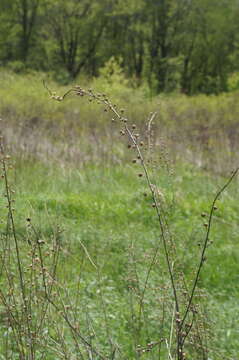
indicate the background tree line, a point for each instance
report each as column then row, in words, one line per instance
column 185, row 45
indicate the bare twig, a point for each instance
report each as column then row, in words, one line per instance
column 202, row 257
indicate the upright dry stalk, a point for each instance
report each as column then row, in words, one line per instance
column 181, row 312
column 25, row 306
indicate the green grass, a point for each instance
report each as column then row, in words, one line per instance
column 104, row 208
column 73, row 179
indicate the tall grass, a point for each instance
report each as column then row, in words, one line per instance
column 202, row 129
column 146, row 301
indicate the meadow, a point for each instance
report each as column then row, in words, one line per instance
column 83, row 269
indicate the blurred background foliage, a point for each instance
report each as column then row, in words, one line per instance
column 187, row 46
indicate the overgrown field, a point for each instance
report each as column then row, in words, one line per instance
column 202, row 129
column 82, row 229
column 106, row 212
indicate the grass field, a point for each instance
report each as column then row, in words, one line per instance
column 105, row 210
column 202, row 130
column 80, row 204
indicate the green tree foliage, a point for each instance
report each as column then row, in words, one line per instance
column 184, row 45
column 19, row 19
column 75, row 29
